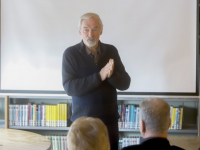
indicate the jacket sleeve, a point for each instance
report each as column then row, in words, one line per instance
column 120, row 78
column 73, row 85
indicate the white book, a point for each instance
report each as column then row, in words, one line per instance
column 21, row 115
column 10, row 115
column 61, row 142
column 26, row 115
column 138, row 140
column 16, row 115
column 56, row 142
column 65, row 142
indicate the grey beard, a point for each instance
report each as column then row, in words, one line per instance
column 89, row 43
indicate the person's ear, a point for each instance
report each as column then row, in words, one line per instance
column 143, row 126
column 169, row 122
column 101, row 31
column 80, row 32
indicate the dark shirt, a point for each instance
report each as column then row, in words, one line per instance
column 94, row 56
column 91, row 96
column 154, row 143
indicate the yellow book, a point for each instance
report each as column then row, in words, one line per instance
column 181, row 118
column 47, row 117
column 34, row 114
column 65, row 115
column 60, row 115
column 56, row 116
column 53, row 116
column 50, row 115
column 173, row 119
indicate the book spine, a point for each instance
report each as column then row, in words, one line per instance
column 134, row 118
column 59, row 142
column 16, row 114
column 54, row 115
column 27, row 113
column 181, row 118
column 21, row 115
column 13, row 115
column 58, row 106
column 173, row 118
column 24, row 115
column 124, row 115
column 47, row 115
column 50, row 116
column 138, row 112
column 119, row 112
column 178, row 118
column 65, row 115
column 34, row 115
column 65, row 143
column 10, row 115
column 44, row 115
column 171, row 112
column 62, row 143
column 129, row 116
column 39, row 115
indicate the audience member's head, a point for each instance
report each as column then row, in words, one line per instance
column 154, row 117
column 88, row 134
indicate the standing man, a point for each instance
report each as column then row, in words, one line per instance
column 91, row 73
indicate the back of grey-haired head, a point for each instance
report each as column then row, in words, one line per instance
column 155, row 112
column 88, row 16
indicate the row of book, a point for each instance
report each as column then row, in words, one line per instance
column 39, row 115
column 126, row 141
column 129, row 117
column 176, row 115
column 60, row 142
column 57, row 142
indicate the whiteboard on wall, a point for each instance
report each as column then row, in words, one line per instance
column 156, row 40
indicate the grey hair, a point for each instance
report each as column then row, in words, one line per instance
column 88, row 16
column 155, row 112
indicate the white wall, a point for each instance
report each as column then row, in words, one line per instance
column 156, row 40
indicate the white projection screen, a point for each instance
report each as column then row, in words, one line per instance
column 156, row 40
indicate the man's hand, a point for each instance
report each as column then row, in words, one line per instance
column 111, row 68
column 107, row 71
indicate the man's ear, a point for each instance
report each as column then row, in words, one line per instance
column 80, row 32
column 170, row 122
column 143, row 126
column 101, row 31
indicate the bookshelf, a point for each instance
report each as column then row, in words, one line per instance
column 190, row 124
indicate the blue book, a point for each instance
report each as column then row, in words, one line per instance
column 132, row 116
column 119, row 120
column 124, row 114
column 39, row 115
column 129, row 115
column 31, row 115
column 126, row 117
